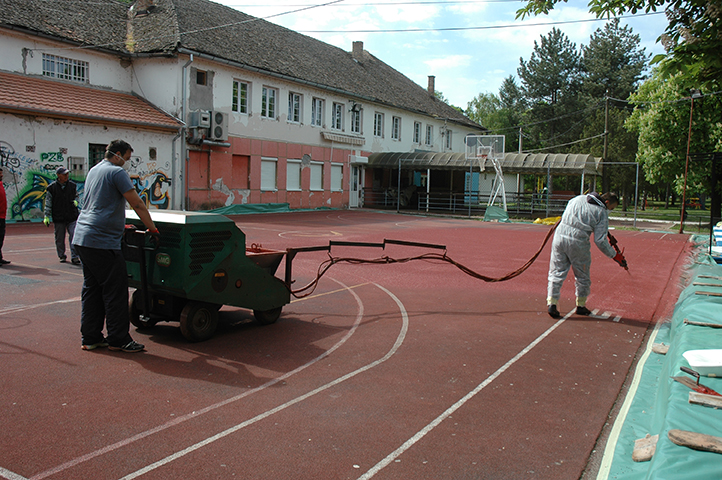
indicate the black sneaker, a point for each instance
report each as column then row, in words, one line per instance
column 130, row 347
column 93, row 346
column 4, row 262
column 553, row 312
column 63, row 259
column 583, row 311
column 75, row 261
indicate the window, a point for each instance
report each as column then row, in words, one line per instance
column 448, row 139
column 396, row 128
column 429, row 135
column 268, row 174
column 355, row 121
column 317, row 176
column 201, row 77
column 294, row 107
column 96, row 152
column 336, row 177
column 317, row 112
column 240, row 96
column 337, row 121
column 417, row 132
column 268, row 102
column 293, row 175
column 378, row 124
column 65, row 68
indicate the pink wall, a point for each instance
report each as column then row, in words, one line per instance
column 237, row 169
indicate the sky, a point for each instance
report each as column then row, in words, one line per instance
column 464, row 62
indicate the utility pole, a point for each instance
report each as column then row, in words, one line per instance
column 695, row 94
column 605, row 173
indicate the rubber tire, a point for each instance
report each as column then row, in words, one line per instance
column 134, row 312
column 198, row 321
column 267, row 317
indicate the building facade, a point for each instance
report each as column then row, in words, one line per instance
column 221, row 108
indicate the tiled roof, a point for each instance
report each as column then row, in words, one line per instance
column 24, row 94
column 210, row 28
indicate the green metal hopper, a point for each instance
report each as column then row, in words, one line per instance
column 200, row 263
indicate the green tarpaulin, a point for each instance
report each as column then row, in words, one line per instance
column 657, row 404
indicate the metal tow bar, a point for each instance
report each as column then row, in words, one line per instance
column 291, row 252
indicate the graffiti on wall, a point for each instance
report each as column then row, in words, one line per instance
column 27, row 178
column 154, row 189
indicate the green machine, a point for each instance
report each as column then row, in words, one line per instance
column 200, row 263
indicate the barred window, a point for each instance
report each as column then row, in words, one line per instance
column 65, row 68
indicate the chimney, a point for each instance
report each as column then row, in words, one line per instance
column 432, row 86
column 358, row 51
column 141, row 8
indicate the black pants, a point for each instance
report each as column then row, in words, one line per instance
column 60, row 229
column 104, row 296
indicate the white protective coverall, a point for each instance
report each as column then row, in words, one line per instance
column 584, row 215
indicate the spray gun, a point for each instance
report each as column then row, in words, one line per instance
column 619, row 257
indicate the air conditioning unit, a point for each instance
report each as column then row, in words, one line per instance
column 199, row 119
column 219, row 126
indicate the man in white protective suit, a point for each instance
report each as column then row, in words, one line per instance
column 584, row 216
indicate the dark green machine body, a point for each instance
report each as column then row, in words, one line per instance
column 201, row 260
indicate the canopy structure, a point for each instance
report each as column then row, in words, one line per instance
column 518, row 163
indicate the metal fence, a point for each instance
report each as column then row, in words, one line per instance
column 468, row 203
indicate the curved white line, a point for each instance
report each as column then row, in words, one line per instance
column 421, row 433
column 399, row 340
column 183, row 418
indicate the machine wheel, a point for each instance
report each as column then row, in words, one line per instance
column 267, row 317
column 198, row 321
column 135, row 312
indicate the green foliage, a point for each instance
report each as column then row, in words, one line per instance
column 500, row 114
column 613, row 62
column 551, row 82
column 692, row 39
column 662, row 120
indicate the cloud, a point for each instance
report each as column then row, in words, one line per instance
column 448, row 62
column 466, row 62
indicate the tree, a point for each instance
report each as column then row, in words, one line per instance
column 613, row 62
column 501, row 114
column 551, row 82
column 613, row 66
column 692, row 39
column 662, row 119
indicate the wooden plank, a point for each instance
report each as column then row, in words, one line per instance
column 644, row 448
column 696, row 441
column 711, row 294
column 713, row 277
column 686, row 381
column 697, row 398
column 703, row 324
column 700, row 284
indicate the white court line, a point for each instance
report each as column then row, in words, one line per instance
column 421, row 433
column 183, row 418
column 22, row 308
column 608, row 456
column 10, row 475
column 399, row 340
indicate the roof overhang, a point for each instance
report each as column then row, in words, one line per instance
column 523, row 163
column 37, row 96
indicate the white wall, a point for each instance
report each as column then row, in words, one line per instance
column 104, row 70
column 42, row 145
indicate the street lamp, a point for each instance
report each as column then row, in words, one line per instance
column 694, row 94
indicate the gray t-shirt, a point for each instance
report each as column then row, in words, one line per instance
column 102, row 218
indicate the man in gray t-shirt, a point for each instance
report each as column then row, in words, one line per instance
column 97, row 238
